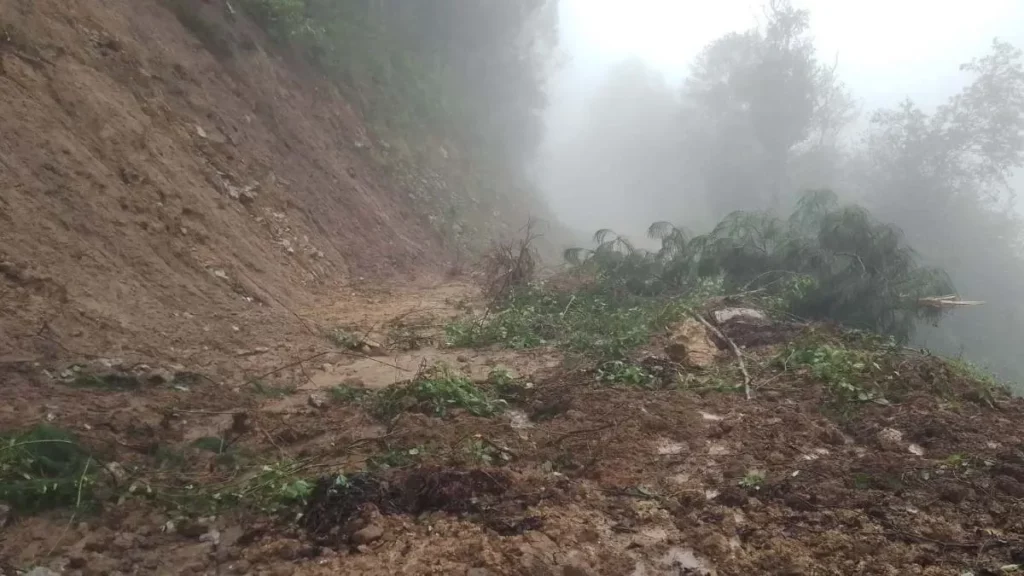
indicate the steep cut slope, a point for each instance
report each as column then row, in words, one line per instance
column 158, row 163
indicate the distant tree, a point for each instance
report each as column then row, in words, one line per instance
column 753, row 101
column 944, row 178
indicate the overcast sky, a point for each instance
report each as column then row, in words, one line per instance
column 887, row 49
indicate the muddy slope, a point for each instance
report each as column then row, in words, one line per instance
column 572, row 476
column 159, row 162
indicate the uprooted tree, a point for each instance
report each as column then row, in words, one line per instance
column 826, row 261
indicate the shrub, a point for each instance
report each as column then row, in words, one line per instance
column 44, row 468
column 824, row 261
column 435, row 391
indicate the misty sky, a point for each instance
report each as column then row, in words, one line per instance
column 888, row 50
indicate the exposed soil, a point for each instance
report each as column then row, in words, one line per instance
column 185, row 219
column 171, row 187
column 575, row 478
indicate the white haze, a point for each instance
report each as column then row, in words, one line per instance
column 887, row 50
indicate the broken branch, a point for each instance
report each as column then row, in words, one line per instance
column 735, row 350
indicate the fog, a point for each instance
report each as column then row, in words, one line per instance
column 887, row 50
column 686, row 111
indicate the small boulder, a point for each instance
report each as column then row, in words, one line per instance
column 890, row 440
column 690, row 345
column 744, row 315
column 366, row 535
column 316, row 400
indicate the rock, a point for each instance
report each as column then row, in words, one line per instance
column 479, row 572
column 372, row 348
column 715, row 545
column 573, row 414
column 41, row 571
column 125, row 541
column 955, row 493
column 745, row 315
column 690, row 345
column 683, row 561
column 213, row 537
column 317, row 400
column 890, row 439
column 5, row 515
column 231, row 535
column 116, row 472
column 160, row 376
column 833, row 436
column 370, row 533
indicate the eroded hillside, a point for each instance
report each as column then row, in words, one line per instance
column 158, row 165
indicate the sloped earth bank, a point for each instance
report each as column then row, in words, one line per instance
column 170, row 184
column 574, row 478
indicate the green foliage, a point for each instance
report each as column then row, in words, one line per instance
column 345, row 393
column 855, row 371
column 467, row 76
column 215, row 444
column 506, row 386
column 484, row 453
column 842, row 369
column 283, row 19
column 752, row 480
column 44, row 468
column 825, row 261
column 986, row 386
column 602, row 324
column 436, row 391
column 396, row 458
column 617, row 372
column 274, row 487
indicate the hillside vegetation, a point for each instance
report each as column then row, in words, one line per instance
column 761, row 117
column 459, row 81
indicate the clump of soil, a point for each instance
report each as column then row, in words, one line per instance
column 484, row 494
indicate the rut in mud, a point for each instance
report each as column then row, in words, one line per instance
column 522, row 462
